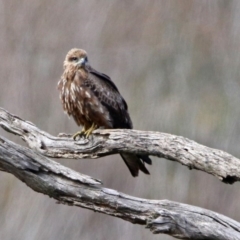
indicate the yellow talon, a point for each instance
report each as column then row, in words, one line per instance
column 90, row 130
column 80, row 133
column 85, row 132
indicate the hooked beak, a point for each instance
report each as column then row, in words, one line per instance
column 82, row 62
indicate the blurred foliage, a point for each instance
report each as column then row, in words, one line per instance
column 177, row 65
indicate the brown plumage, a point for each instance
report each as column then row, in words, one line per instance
column 93, row 100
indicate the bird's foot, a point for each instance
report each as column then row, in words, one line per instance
column 85, row 133
column 80, row 134
column 90, row 130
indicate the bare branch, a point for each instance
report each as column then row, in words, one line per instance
column 69, row 187
column 105, row 142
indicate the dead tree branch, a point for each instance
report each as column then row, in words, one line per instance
column 105, row 142
column 69, row 187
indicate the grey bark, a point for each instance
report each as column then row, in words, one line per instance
column 105, row 142
column 69, row 187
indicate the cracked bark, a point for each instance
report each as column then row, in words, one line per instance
column 31, row 165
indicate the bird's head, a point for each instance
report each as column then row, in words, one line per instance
column 76, row 58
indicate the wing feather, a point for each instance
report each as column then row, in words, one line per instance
column 108, row 95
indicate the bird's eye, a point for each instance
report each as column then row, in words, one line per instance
column 73, row 59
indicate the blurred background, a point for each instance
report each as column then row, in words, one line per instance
column 177, row 65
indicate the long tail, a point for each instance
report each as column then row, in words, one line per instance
column 136, row 163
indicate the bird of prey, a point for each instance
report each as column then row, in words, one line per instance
column 94, row 101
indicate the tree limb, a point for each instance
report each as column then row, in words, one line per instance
column 105, row 142
column 69, row 187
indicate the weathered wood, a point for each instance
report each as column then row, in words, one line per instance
column 105, row 142
column 69, row 187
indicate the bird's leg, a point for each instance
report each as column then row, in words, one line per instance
column 80, row 133
column 90, row 130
